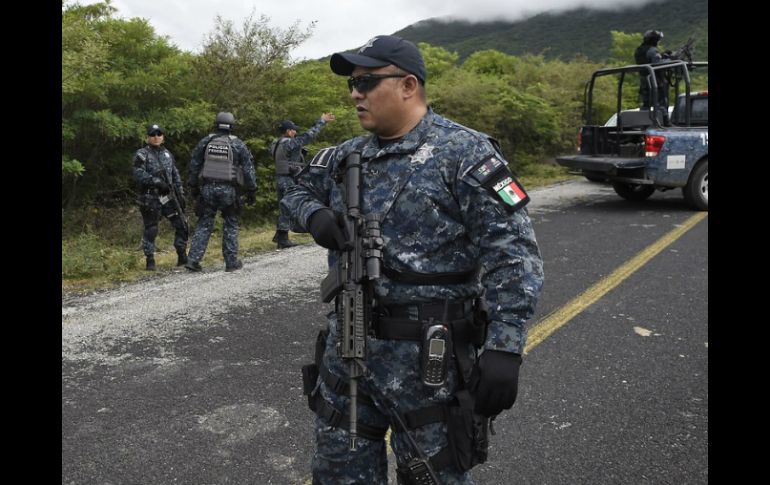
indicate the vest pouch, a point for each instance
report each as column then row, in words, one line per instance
column 467, row 435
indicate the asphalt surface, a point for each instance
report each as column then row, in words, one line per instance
column 194, row 378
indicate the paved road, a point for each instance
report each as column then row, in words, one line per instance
column 194, row 378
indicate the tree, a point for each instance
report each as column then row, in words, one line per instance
column 240, row 70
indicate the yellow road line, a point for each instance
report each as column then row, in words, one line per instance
column 561, row 316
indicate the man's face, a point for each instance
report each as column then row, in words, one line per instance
column 156, row 139
column 381, row 109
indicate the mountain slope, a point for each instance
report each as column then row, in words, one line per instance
column 569, row 33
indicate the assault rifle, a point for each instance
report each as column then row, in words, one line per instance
column 352, row 279
column 683, row 53
column 174, row 194
column 357, row 267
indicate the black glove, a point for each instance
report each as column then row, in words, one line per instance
column 495, row 381
column 251, row 198
column 326, row 228
column 195, row 191
column 163, row 187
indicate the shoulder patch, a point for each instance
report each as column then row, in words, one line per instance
column 141, row 155
column 487, row 169
column 322, row 158
column 510, row 191
column 493, row 174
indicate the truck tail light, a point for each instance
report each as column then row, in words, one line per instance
column 653, row 144
column 579, row 139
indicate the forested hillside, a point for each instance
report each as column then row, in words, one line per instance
column 119, row 75
column 570, row 33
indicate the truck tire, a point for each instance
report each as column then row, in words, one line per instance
column 696, row 192
column 635, row 192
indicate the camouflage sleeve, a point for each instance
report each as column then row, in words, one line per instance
column 294, row 145
column 196, row 163
column 141, row 175
column 249, row 172
column 499, row 225
column 310, row 193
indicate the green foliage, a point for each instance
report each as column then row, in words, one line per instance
column 242, row 70
column 437, row 60
column 623, row 47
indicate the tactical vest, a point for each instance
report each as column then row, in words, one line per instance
column 282, row 163
column 218, row 163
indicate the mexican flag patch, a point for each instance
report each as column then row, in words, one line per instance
column 511, row 192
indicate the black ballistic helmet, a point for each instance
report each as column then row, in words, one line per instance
column 224, row 121
column 652, row 37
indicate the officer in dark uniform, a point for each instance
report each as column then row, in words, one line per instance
column 160, row 189
column 289, row 154
column 648, row 53
column 457, row 239
column 221, row 168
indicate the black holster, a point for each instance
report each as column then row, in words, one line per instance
column 310, row 372
column 467, row 434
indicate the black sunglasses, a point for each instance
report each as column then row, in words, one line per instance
column 156, row 133
column 366, row 82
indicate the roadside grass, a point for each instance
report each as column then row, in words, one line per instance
column 101, row 247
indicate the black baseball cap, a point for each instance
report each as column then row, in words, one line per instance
column 152, row 129
column 287, row 125
column 381, row 51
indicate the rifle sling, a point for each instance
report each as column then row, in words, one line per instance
column 339, row 419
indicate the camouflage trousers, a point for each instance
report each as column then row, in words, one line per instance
column 394, row 375
column 152, row 210
column 283, row 183
column 222, row 198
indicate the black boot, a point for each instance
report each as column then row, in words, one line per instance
column 280, row 236
column 282, row 239
column 150, row 263
column 235, row 266
column 193, row 266
column 286, row 244
column 181, row 258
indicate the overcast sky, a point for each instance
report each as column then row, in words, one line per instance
column 340, row 24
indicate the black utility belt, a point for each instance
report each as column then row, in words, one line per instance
column 397, row 322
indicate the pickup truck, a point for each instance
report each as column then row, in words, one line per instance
column 641, row 152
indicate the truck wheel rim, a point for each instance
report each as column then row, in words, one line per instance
column 704, row 187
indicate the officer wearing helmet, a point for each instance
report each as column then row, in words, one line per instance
column 648, row 53
column 221, row 168
column 156, row 175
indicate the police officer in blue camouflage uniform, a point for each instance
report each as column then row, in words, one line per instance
column 156, row 175
column 459, row 248
column 648, row 53
column 289, row 154
column 221, row 168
